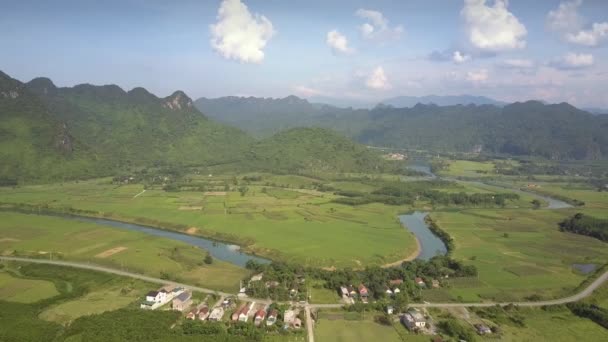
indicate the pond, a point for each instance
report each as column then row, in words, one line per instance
column 585, row 268
column 430, row 244
column 219, row 250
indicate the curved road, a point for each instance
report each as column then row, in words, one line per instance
column 309, row 323
column 97, row 268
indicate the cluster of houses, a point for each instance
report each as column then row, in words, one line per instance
column 350, row 293
column 293, row 292
column 180, row 298
column 259, row 314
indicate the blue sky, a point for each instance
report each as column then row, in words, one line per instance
column 360, row 50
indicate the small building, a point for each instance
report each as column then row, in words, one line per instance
column 244, row 313
column 182, row 302
column 272, row 317
column 235, row 314
column 297, row 323
column 192, row 314
column 203, row 313
column 419, row 320
column 156, row 296
column 388, row 291
column 396, row 290
column 483, row 329
column 435, row 284
column 216, row 314
column 419, row 282
column 344, row 291
column 289, row 316
column 352, row 292
column 259, row 317
column 390, row 310
column 272, row 284
column 257, row 277
column 395, row 282
column 412, row 323
column 363, row 291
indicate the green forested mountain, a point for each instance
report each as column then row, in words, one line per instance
column 556, row 131
column 52, row 133
column 312, row 150
column 48, row 132
column 263, row 117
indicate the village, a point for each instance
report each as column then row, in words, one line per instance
column 290, row 315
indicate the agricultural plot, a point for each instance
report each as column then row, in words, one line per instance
column 282, row 223
column 518, row 253
column 56, row 237
column 469, row 169
column 341, row 330
column 21, row 290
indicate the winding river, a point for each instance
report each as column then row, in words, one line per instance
column 430, row 244
column 219, row 250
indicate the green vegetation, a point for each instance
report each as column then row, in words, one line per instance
column 56, row 237
column 15, row 289
column 336, row 329
column 556, row 131
column 518, row 253
column 586, row 225
column 303, row 228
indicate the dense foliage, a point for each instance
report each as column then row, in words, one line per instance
column 586, row 225
column 595, row 313
column 557, row 131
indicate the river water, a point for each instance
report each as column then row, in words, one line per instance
column 430, row 244
column 219, row 250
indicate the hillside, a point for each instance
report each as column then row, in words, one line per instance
column 311, row 150
column 97, row 130
column 33, row 143
column 452, row 100
column 556, row 131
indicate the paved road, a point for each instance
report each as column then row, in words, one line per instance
column 131, row 275
column 574, row 298
column 309, row 322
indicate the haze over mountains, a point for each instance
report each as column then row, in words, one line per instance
column 556, row 131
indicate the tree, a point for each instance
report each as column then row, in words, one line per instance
column 535, row 204
column 208, row 259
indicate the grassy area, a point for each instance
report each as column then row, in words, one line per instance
column 469, row 169
column 288, row 224
column 517, row 253
column 98, row 301
column 340, row 330
column 44, row 236
column 558, row 325
column 21, row 290
column 319, row 294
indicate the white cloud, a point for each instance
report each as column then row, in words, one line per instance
column 307, row 91
column 338, row 42
column 240, row 35
column 518, row 63
column 573, row 61
column 377, row 26
column 493, row 28
column 459, row 57
column 477, row 76
column 566, row 21
column 377, row 79
column 592, row 37
column 565, row 17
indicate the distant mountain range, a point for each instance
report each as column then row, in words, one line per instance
column 49, row 133
column 410, row 101
column 556, row 131
column 596, row 111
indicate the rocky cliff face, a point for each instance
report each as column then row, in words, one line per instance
column 178, row 101
column 63, row 141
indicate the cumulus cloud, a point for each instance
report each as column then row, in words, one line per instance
column 517, row 64
column 377, row 79
column 459, row 57
column 377, row 26
column 338, row 42
column 597, row 34
column 493, row 28
column 573, row 61
column 566, row 21
column 240, row 35
column 477, row 76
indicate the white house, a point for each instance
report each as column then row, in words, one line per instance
column 156, row 296
column 216, row 314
